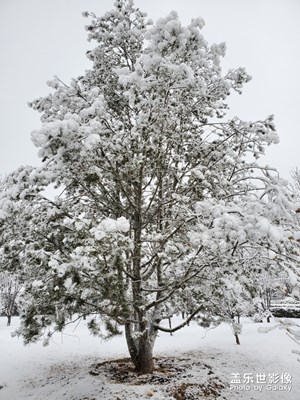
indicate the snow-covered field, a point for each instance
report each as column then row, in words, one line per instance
column 191, row 364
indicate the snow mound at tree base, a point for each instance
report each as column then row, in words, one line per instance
column 172, row 375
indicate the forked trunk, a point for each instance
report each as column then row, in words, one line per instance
column 141, row 350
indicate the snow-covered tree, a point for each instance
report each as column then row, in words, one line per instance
column 9, row 290
column 292, row 284
column 156, row 192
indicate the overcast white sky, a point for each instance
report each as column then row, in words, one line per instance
column 39, row 39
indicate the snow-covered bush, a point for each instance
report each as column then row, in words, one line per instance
column 291, row 328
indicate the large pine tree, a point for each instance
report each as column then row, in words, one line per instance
column 158, row 195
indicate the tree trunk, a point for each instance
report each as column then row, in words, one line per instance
column 236, row 328
column 8, row 319
column 141, row 350
column 237, row 340
column 170, row 325
column 144, row 360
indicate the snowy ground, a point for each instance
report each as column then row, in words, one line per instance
column 191, row 364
